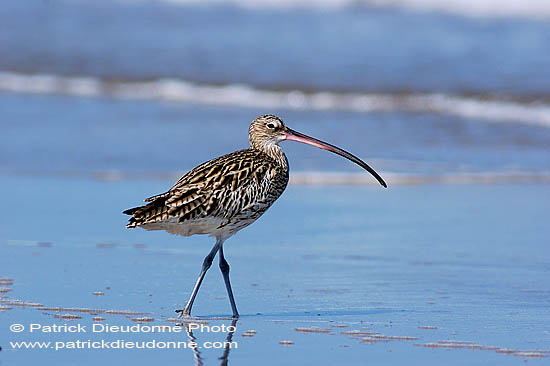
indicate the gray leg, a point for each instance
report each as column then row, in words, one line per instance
column 205, row 266
column 224, row 267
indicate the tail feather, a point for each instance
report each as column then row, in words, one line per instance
column 131, row 211
column 156, row 197
column 144, row 214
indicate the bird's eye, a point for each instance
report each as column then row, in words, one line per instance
column 270, row 126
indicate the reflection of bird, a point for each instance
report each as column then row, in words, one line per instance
column 226, row 194
column 227, row 345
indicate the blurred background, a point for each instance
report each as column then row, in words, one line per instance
column 106, row 102
column 454, row 89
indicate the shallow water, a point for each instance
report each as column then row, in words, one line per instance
column 58, row 135
column 107, row 102
column 422, row 264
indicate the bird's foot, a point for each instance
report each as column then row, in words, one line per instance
column 183, row 313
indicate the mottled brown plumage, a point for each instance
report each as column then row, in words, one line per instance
column 230, row 192
column 226, row 194
column 223, row 195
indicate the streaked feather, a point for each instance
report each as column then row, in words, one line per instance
column 218, row 197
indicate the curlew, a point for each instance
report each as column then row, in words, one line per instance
column 226, row 194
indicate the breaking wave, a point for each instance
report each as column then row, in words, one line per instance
column 174, row 90
column 333, row 178
column 531, row 9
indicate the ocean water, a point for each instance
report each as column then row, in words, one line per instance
column 104, row 103
column 156, row 87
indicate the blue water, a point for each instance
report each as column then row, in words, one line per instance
column 349, row 48
column 105, row 103
column 363, row 49
column 67, row 135
column 470, row 261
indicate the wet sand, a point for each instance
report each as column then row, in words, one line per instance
column 418, row 275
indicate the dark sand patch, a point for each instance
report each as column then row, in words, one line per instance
column 67, row 316
column 312, row 330
column 249, row 333
column 428, row 327
column 456, row 344
column 143, row 319
column 286, row 343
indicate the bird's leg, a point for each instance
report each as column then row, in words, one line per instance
column 205, row 266
column 224, row 267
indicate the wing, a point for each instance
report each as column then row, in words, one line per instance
column 219, row 188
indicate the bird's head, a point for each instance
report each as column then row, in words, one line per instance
column 267, row 131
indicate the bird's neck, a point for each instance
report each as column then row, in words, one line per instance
column 276, row 153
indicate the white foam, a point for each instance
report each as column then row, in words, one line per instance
column 535, row 9
column 173, row 90
column 339, row 178
column 362, row 178
column 330, row 178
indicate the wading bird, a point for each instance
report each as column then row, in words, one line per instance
column 226, row 194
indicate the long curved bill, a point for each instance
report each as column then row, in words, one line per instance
column 292, row 135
